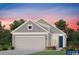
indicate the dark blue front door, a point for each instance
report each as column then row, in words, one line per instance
column 60, row 41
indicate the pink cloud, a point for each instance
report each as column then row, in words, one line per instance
column 50, row 18
column 72, row 23
column 6, row 22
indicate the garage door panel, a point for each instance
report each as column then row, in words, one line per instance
column 29, row 42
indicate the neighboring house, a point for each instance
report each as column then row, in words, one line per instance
column 38, row 35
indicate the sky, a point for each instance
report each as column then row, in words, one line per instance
column 51, row 12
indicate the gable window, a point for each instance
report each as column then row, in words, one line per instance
column 30, row 27
column 60, row 41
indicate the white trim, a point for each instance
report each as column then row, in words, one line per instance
column 30, row 33
column 13, row 41
column 30, row 36
column 51, row 25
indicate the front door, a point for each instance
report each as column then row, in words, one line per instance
column 60, row 41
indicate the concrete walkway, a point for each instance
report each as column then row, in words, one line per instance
column 18, row 52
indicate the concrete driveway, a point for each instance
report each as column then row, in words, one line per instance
column 18, row 52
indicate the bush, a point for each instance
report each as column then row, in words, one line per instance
column 0, row 48
column 12, row 48
column 70, row 47
column 54, row 48
column 64, row 49
column 51, row 48
column 4, row 47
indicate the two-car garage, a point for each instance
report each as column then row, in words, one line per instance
column 29, row 42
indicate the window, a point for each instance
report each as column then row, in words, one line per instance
column 30, row 27
column 61, row 41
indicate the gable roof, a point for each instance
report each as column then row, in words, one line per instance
column 46, row 25
column 23, row 27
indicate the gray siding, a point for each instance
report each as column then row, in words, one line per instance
column 52, row 28
column 36, row 28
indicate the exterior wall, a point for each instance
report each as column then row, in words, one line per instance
column 55, row 40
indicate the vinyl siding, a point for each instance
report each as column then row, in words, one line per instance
column 36, row 28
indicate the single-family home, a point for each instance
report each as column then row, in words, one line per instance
column 38, row 35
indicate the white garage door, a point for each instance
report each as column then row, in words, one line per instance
column 29, row 42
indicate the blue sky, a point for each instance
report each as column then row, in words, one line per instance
column 50, row 11
column 71, row 10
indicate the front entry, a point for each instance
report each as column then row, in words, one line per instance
column 60, row 41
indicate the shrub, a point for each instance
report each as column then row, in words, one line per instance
column 51, row 48
column 48, row 48
column 0, row 48
column 70, row 47
column 4, row 47
column 12, row 48
column 64, row 49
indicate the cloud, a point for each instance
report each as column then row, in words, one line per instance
column 25, row 12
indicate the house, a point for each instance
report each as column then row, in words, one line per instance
column 38, row 35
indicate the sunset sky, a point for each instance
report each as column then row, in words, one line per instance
column 50, row 11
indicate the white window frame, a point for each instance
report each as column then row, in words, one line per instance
column 31, row 27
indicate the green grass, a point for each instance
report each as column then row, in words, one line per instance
column 49, row 52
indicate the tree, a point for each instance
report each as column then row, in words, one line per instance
column 16, row 23
column 61, row 24
column 69, row 33
column 76, row 37
column 5, row 37
column 78, row 25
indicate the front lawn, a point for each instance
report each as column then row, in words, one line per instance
column 49, row 52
